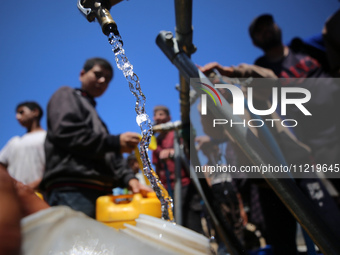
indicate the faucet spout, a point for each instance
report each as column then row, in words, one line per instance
column 99, row 9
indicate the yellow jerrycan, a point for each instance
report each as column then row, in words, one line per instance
column 114, row 211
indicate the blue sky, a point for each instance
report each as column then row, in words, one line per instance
column 45, row 43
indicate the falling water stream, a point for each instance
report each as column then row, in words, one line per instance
column 143, row 122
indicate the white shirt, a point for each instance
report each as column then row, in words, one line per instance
column 25, row 156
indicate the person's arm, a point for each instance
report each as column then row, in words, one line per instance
column 10, row 216
column 211, row 67
column 241, row 71
column 137, row 187
column 243, row 213
column 331, row 38
column 125, row 174
column 167, row 153
column 16, row 201
column 6, row 152
column 245, row 70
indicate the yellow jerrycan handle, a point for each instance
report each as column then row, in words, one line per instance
column 114, row 211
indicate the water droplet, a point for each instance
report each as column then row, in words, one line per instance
column 141, row 118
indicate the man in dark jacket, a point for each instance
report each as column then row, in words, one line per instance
column 321, row 130
column 83, row 161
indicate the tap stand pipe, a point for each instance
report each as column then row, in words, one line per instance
column 178, row 180
column 285, row 188
column 184, row 101
column 98, row 9
column 183, row 14
column 184, row 31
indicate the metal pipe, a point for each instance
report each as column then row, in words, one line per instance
column 285, row 188
column 167, row 126
column 184, row 100
column 178, row 181
column 183, row 14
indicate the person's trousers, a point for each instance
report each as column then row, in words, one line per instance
column 78, row 199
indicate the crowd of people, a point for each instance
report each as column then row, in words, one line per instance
column 76, row 160
column 314, row 141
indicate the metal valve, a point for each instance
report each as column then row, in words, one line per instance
column 99, row 9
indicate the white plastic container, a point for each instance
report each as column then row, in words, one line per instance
column 62, row 231
column 169, row 235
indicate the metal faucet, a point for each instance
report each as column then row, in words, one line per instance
column 99, row 9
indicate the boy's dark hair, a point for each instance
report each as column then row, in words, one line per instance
column 161, row 108
column 32, row 106
column 91, row 62
column 264, row 18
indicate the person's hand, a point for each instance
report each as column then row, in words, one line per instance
column 129, row 141
column 262, row 88
column 136, row 187
column 204, row 143
column 246, row 70
column 166, row 153
column 223, row 70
